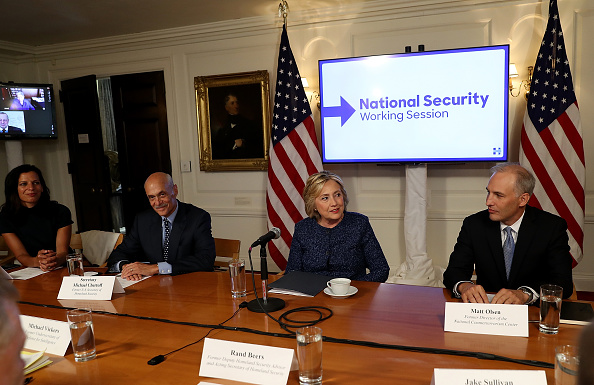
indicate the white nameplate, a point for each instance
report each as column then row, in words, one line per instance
column 483, row 318
column 237, row 361
column 46, row 334
column 97, row 288
column 488, row 377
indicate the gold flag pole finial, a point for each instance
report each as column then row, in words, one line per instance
column 283, row 10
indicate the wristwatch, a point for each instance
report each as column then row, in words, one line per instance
column 530, row 293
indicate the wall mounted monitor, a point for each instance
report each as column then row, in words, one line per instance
column 433, row 106
column 27, row 111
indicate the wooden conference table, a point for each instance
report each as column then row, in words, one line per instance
column 384, row 313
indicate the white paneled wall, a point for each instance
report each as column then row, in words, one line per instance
column 236, row 200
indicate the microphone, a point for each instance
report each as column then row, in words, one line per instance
column 265, row 304
column 274, row 233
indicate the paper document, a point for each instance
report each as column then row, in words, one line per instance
column 125, row 283
column 26, row 273
column 34, row 361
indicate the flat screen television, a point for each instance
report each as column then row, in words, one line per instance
column 27, row 111
column 433, row 106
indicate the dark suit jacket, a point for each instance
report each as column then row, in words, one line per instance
column 541, row 254
column 12, row 130
column 191, row 245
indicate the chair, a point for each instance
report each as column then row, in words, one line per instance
column 573, row 296
column 96, row 245
column 76, row 242
column 226, row 250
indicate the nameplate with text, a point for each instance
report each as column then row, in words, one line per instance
column 488, row 377
column 46, row 334
column 89, row 288
column 237, row 361
column 481, row 318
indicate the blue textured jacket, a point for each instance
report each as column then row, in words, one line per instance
column 346, row 250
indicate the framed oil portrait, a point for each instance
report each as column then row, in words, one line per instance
column 233, row 112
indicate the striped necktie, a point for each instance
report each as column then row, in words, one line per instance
column 508, row 249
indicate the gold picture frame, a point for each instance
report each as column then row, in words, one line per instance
column 233, row 114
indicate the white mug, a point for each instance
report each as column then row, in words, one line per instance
column 339, row 286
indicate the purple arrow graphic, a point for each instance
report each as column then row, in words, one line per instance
column 345, row 110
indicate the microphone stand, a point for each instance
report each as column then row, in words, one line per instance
column 265, row 305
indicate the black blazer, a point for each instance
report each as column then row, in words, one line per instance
column 12, row 130
column 541, row 254
column 191, row 245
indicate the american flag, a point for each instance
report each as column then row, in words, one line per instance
column 551, row 144
column 294, row 153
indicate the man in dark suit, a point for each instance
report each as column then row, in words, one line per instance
column 536, row 245
column 238, row 138
column 173, row 237
column 5, row 128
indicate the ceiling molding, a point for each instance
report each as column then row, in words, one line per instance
column 232, row 29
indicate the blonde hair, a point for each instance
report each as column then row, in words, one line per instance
column 313, row 188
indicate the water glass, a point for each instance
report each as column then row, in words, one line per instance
column 566, row 365
column 81, row 331
column 550, row 308
column 75, row 264
column 309, row 354
column 237, row 273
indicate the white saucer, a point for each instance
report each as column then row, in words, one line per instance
column 352, row 290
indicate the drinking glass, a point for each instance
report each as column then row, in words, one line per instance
column 566, row 365
column 75, row 264
column 237, row 273
column 309, row 354
column 550, row 308
column 81, row 331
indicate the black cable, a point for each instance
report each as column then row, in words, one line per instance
column 156, row 360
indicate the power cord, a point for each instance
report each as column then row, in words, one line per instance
column 156, row 360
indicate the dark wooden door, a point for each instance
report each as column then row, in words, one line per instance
column 88, row 166
column 140, row 115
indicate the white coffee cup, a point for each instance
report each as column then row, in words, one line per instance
column 339, row 286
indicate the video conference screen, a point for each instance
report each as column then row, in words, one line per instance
column 27, row 111
column 434, row 106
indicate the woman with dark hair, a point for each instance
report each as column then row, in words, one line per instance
column 36, row 229
column 332, row 241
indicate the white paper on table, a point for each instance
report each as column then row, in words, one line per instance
column 26, row 273
column 125, row 283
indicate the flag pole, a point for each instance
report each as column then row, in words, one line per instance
column 283, row 11
column 294, row 152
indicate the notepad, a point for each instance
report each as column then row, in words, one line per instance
column 34, row 361
column 576, row 313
